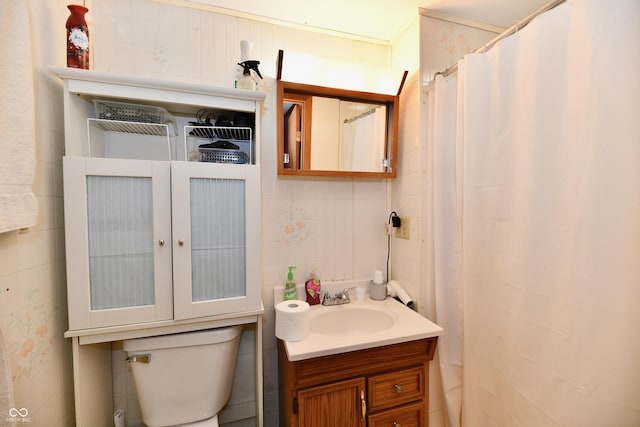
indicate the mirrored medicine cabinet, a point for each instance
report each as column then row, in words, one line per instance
column 330, row 131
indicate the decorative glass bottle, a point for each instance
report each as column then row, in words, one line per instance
column 77, row 38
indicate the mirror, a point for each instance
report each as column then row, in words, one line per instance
column 343, row 124
column 326, row 131
column 347, row 135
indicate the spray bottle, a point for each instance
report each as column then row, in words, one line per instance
column 244, row 78
column 247, row 80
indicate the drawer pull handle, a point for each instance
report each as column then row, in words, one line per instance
column 363, row 405
column 398, row 388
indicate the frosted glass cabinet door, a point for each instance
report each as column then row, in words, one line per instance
column 216, row 212
column 117, row 215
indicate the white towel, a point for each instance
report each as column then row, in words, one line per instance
column 18, row 204
column 6, row 387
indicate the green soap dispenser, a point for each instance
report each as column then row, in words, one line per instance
column 290, row 290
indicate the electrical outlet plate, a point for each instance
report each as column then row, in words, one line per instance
column 403, row 231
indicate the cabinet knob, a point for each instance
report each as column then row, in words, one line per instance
column 398, row 389
column 161, row 242
column 180, row 242
column 395, row 424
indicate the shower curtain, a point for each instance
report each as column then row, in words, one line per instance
column 364, row 142
column 535, row 151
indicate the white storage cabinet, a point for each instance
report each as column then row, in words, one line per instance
column 153, row 240
column 157, row 242
column 150, row 235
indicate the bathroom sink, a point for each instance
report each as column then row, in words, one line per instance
column 361, row 324
column 350, row 319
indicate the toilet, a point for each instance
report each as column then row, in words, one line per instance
column 184, row 379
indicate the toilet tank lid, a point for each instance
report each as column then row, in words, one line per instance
column 185, row 339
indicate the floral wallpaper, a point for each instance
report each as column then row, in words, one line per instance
column 453, row 41
column 31, row 338
column 294, row 228
column 444, row 42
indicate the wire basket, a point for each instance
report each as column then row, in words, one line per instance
column 220, row 155
column 126, row 112
column 231, row 132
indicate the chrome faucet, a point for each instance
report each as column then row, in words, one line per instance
column 342, row 297
column 326, row 298
column 339, row 299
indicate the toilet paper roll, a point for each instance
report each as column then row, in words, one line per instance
column 292, row 320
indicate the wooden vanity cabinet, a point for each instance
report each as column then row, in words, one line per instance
column 334, row 404
column 382, row 386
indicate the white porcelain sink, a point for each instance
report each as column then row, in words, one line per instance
column 350, row 319
column 357, row 325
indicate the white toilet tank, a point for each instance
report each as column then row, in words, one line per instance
column 183, row 378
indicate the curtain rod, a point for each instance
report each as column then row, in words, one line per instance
column 361, row 115
column 509, row 31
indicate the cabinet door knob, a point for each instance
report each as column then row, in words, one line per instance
column 395, row 424
column 180, row 242
column 398, row 388
column 161, row 242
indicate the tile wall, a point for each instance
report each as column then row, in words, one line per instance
column 33, row 315
column 408, row 196
column 333, row 227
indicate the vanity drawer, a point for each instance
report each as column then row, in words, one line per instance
column 396, row 388
column 412, row 415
